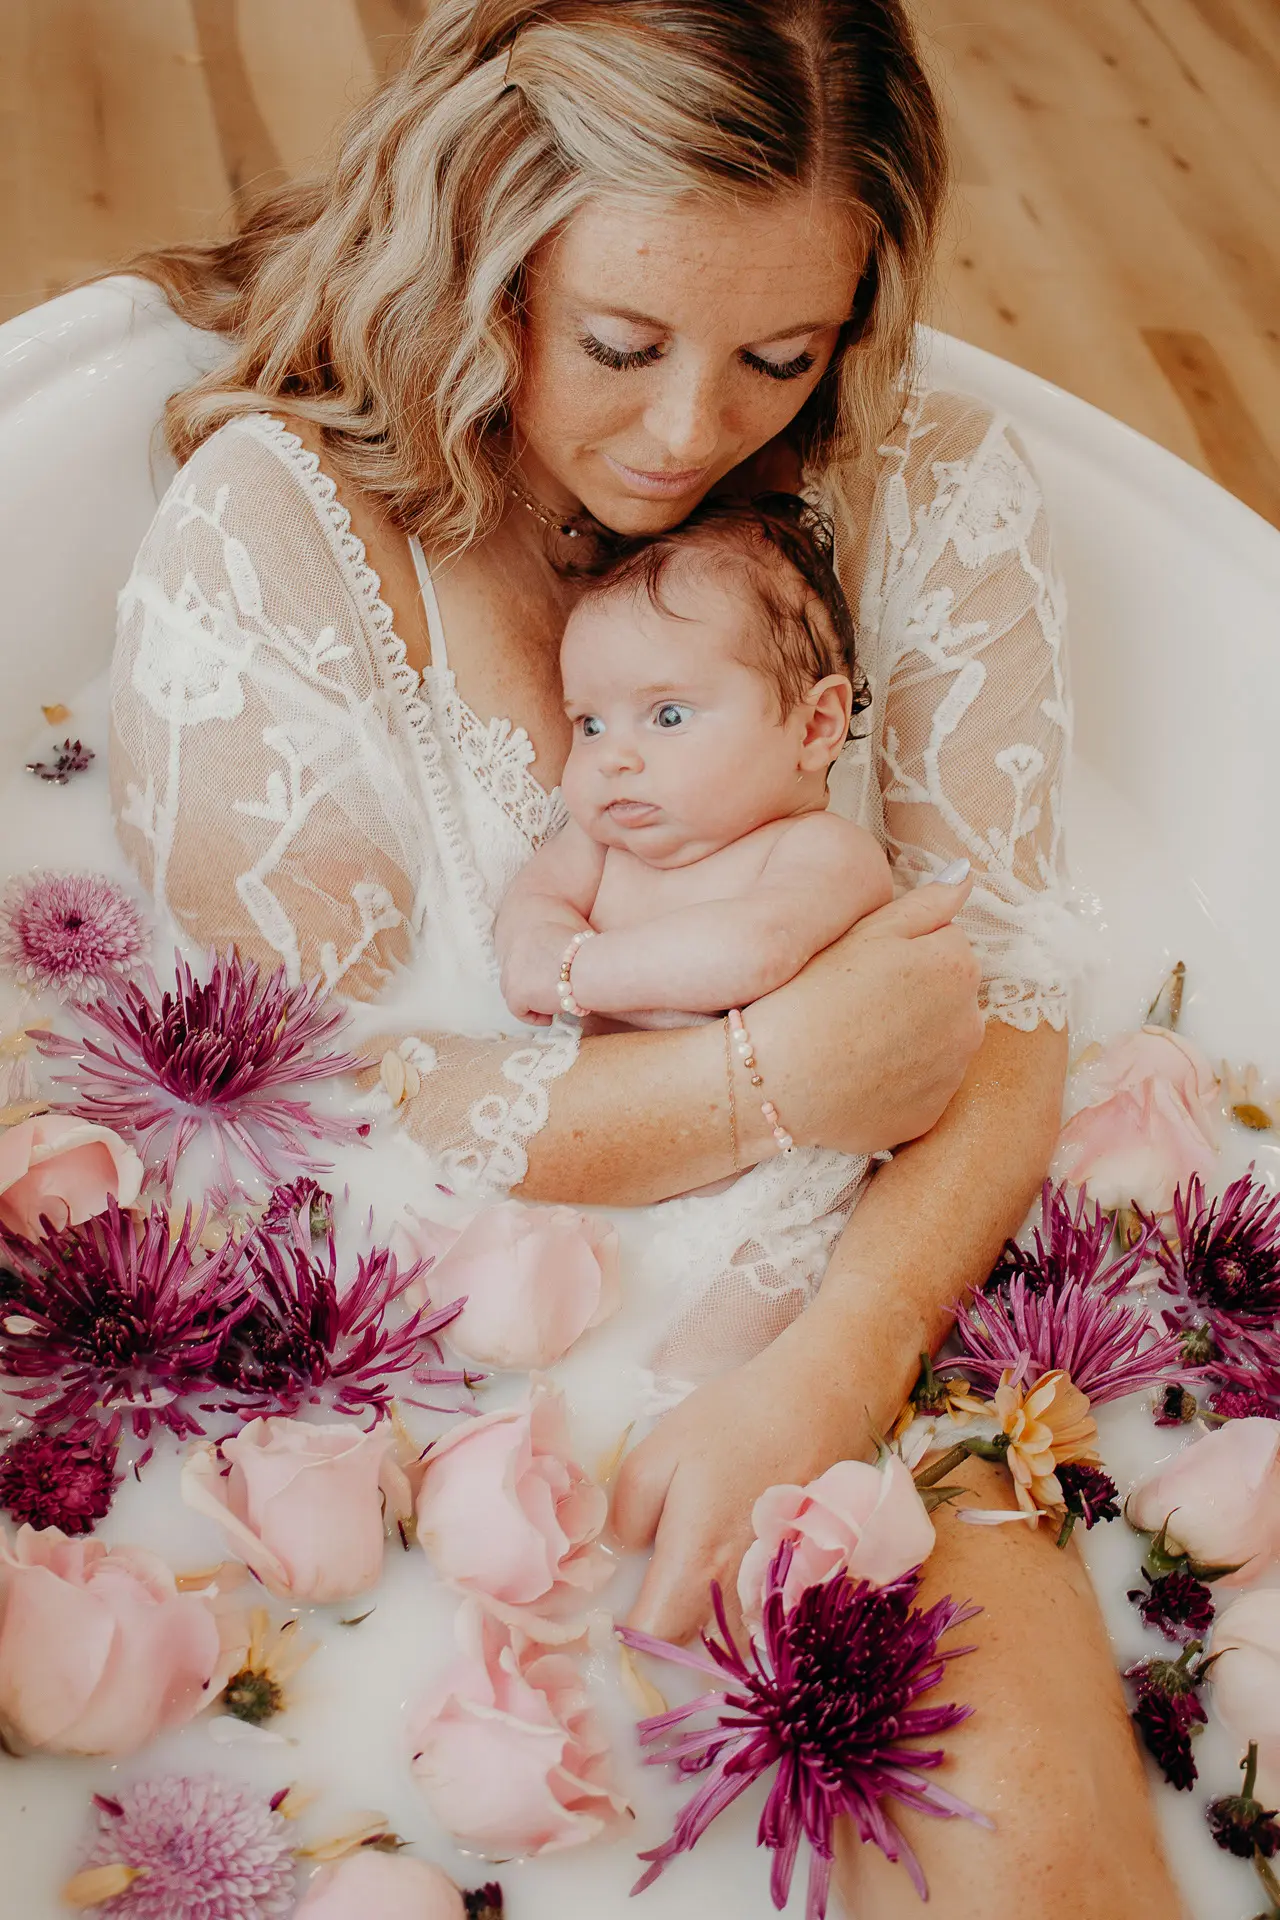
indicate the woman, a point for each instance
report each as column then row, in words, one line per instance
column 579, row 264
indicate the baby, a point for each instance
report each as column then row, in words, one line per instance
column 710, row 677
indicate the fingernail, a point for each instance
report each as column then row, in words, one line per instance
column 952, row 876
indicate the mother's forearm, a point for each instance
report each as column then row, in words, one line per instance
column 933, row 1220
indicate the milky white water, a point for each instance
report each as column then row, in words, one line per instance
column 344, row 1730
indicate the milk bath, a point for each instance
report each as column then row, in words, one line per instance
column 344, row 1731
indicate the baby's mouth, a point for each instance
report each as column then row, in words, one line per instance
column 632, row 813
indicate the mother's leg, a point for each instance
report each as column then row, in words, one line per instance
column 1049, row 1753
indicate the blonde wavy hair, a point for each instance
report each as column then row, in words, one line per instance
column 382, row 297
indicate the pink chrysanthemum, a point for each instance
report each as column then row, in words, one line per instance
column 826, row 1695
column 69, row 933
column 114, row 1318
column 1222, row 1265
column 307, row 1339
column 204, row 1847
column 227, row 1053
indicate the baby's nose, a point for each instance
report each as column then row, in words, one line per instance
column 622, row 755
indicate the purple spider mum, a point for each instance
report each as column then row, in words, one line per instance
column 1072, row 1246
column 71, row 757
column 826, row 1694
column 220, row 1053
column 66, row 1479
column 303, row 1338
column 69, row 933
column 1167, row 1712
column 1222, row 1264
column 287, row 1202
column 1093, row 1332
column 1176, row 1604
column 204, row 1849
column 116, row 1316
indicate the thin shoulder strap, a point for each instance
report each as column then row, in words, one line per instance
column 435, row 625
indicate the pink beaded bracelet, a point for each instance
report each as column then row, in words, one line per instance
column 568, row 1004
column 737, row 1027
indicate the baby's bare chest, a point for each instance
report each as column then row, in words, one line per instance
column 632, row 893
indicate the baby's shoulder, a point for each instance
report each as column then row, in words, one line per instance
column 824, row 839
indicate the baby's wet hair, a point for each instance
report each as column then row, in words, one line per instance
column 810, row 627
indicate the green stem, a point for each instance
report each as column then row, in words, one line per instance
column 1262, row 1867
column 1249, row 1767
column 930, row 1476
column 1064, row 1532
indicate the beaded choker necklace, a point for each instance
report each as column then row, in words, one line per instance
column 541, row 515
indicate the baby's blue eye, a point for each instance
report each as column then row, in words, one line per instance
column 592, row 726
column 671, row 714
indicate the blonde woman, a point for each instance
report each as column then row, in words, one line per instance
column 580, row 263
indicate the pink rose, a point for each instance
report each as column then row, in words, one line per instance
column 533, row 1279
column 506, row 1512
column 302, row 1505
column 867, row 1521
column 1221, row 1497
column 99, row 1652
column 64, row 1168
column 506, row 1749
column 1245, row 1677
column 381, row 1886
column 1152, row 1129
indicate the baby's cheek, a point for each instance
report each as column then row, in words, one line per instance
column 574, row 785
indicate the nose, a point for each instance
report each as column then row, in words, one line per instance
column 620, row 754
column 684, row 414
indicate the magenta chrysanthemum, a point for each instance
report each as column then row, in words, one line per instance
column 69, row 933
column 1072, row 1246
column 205, row 1848
column 64, row 1479
column 306, row 1339
column 1068, row 1305
column 826, row 1695
column 227, row 1053
column 1222, row 1265
column 115, row 1318
column 286, row 1203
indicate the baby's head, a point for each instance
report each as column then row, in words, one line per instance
column 710, row 677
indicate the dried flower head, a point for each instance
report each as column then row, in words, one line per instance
column 827, row 1693
column 69, row 933
column 71, row 757
column 1167, row 1712
column 304, row 1338
column 301, row 1197
column 1239, row 1823
column 228, row 1053
column 65, row 1478
column 1222, row 1265
column 1173, row 1405
column 1247, row 1100
column 1088, row 1493
column 198, row 1848
column 1176, row 1604
column 118, row 1317
column 256, row 1691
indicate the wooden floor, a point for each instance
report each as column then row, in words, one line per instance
column 1117, row 216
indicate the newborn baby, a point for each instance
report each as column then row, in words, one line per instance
column 710, row 678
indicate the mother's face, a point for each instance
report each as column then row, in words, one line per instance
column 665, row 344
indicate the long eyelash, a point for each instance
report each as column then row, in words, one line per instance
column 611, row 357
column 781, row 370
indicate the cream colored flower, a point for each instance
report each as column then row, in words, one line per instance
column 1047, row 1424
column 1247, row 1100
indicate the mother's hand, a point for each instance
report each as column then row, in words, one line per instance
column 865, row 1048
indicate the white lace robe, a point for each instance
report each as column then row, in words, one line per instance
column 283, row 780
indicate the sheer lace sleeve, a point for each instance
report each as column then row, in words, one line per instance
column 972, row 720
column 278, row 786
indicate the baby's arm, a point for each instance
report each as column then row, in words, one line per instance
column 823, row 874
column 549, row 901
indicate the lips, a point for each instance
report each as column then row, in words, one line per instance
column 659, row 485
column 632, row 813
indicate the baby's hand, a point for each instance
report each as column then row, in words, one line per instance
column 531, row 974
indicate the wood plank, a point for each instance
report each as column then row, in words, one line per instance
column 308, row 64
column 388, row 26
column 1236, row 451
column 249, row 153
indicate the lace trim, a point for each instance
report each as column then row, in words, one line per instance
column 353, row 559
column 498, row 756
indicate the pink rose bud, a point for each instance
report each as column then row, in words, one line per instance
column 533, row 1279
column 1245, row 1680
column 1152, row 1129
column 1220, row 1497
column 381, row 1886
column 866, row 1521
column 65, row 1169
column 302, row 1505
column 506, row 1749
column 99, row 1652
column 506, row 1513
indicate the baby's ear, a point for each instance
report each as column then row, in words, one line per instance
column 828, row 715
